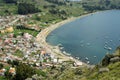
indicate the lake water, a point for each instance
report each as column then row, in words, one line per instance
column 90, row 37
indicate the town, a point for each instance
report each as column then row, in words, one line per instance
column 23, row 46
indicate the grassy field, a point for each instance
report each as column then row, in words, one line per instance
column 7, row 9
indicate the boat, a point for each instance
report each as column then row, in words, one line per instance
column 109, row 48
column 86, row 58
column 81, row 45
column 60, row 45
column 88, row 44
column 105, row 47
column 111, row 40
column 66, row 53
column 77, row 58
column 88, row 62
column 106, row 42
column 94, row 56
column 61, row 48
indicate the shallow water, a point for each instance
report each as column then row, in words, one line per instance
column 90, row 37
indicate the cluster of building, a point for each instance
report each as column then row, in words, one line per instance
column 9, row 44
column 11, row 70
column 6, row 23
column 33, row 53
column 6, row 20
column 7, row 30
column 31, row 50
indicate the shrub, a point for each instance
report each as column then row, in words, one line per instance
column 106, row 60
column 23, row 71
column 1, row 65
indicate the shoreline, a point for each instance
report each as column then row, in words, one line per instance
column 41, row 38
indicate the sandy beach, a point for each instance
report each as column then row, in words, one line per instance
column 41, row 38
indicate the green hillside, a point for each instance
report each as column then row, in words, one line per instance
column 43, row 5
column 108, row 69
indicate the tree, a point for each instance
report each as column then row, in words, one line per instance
column 106, row 59
column 54, row 11
column 10, row 1
column 8, row 75
column 78, row 71
column 1, row 65
column 58, row 2
column 9, row 61
column 15, row 62
column 26, row 8
column 23, row 71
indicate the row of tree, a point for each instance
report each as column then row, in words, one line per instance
column 26, row 8
column 100, row 4
column 62, row 13
column 10, row 1
column 58, row 2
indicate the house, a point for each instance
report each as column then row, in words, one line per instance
column 55, row 60
column 77, row 63
column 2, row 31
column 2, row 72
column 103, row 70
column 1, row 40
column 9, row 29
column 11, row 35
column 12, row 71
column 43, row 52
column 27, row 36
column 7, row 41
column 37, row 64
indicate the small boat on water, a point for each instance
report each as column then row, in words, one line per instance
column 111, row 40
column 77, row 58
column 109, row 48
column 61, row 47
column 81, row 45
column 106, row 42
column 94, row 56
column 66, row 53
column 88, row 44
column 88, row 62
column 105, row 47
column 86, row 58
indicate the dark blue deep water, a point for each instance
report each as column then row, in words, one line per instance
column 90, row 37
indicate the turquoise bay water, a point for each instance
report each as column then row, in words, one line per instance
column 90, row 37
